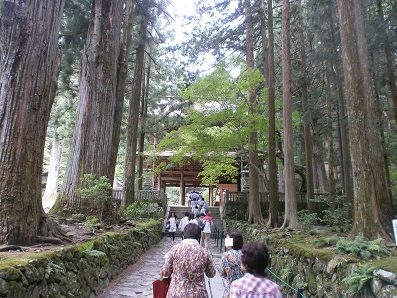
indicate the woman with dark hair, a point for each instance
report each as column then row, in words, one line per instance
column 255, row 282
column 186, row 263
column 192, row 218
column 173, row 221
column 230, row 268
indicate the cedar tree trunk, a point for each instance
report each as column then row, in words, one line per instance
column 29, row 59
column 91, row 151
column 133, row 113
column 373, row 208
column 291, row 206
column 254, row 210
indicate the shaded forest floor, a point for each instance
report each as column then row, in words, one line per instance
column 77, row 231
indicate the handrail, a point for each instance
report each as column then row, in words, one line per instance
column 218, row 235
column 144, row 195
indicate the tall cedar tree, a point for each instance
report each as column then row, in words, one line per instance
column 142, row 121
column 340, row 112
column 29, row 59
column 126, row 46
column 134, row 103
column 391, row 76
column 373, row 208
column 274, row 202
column 308, row 141
column 291, row 207
column 91, row 151
column 254, row 212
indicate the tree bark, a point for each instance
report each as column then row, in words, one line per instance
column 330, row 137
column 133, row 113
column 291, row 206
column 373, row 208
column 29, row 59
column 254, row 206
column 307, row 119
column 122, row 72
column 94, row 131
column 391, row 77
column 344, row 140
column 341, row 115
column 142, row 121
column 319, row 173
column 382, row 132
column 274, row 204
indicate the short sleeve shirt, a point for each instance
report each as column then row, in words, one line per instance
column 251, row 286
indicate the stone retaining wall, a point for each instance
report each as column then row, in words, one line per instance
column 319, row 274
column 77, row 271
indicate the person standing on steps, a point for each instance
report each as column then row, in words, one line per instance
column 206, row 235
column 218, row 198
column 192, row 218
column 196, row 211
column 186, row 263
column 173, row 222
column 255, row 282
column 194, row 202
column 230, row 267
column 184, row 222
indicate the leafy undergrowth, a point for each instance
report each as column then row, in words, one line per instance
column 326, row 244
column 377, row 253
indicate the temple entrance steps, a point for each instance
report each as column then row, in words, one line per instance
column 179, row 210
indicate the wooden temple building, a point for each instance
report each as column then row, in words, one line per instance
column 187, row 177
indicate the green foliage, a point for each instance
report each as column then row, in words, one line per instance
column 361, row 276
column 236, row 210
column 217, row 122
column 328, row 241
column 94, row 253
column 96, row 190
column 172, row 195
column 338, row 219
column 306, row 218
column 315, row 232
column 214, row 169
column 287, row 274
column 52, row 267
column 92, row 220
column 361, row 248
column 143, row 209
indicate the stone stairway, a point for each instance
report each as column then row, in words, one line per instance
column 180, row 212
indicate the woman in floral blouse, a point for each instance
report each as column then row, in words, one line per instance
column 230, row 268
column 186, row 263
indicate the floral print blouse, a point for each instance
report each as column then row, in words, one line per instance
column 186, row 263
column 230, row 268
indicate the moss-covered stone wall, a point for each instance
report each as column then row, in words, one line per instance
column 318, row 272
column 77, row 271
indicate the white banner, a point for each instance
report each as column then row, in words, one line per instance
column 394, row 221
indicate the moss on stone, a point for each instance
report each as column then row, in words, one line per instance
column 388, row 264
column 15, row 260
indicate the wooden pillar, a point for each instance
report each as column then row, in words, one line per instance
column 159, row 182
column 182, row 190
column 211, row 198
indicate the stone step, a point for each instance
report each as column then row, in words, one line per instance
column 180, row 212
